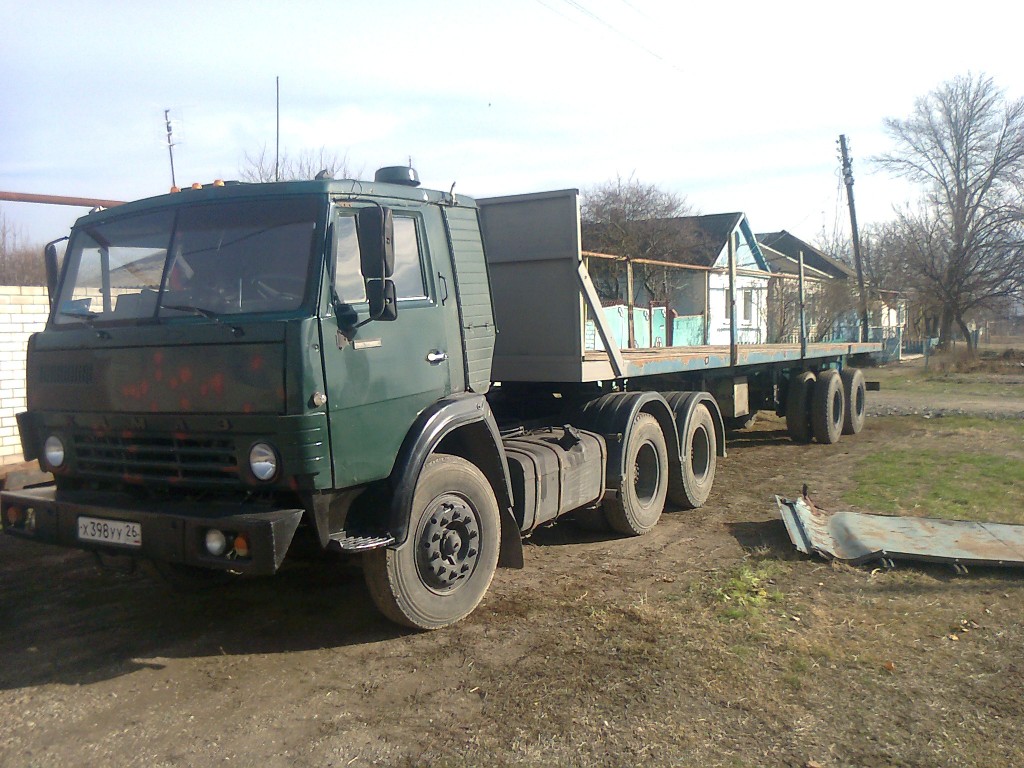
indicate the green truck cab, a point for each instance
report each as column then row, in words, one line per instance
column 235, row 374
column 227, row 369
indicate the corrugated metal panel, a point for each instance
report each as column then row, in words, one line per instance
column 856, row 538
column 473, row 291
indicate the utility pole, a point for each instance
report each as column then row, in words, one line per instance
column 848, row 178
column 170, row 145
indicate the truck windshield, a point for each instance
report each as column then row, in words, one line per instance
column 207, row 260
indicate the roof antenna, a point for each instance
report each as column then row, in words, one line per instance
column 170, row 147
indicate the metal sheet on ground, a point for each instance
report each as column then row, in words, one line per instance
column 855, row 537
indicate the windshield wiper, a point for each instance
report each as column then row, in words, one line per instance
column 209, row 314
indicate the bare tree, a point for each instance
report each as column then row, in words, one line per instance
column 625, row 217
column 261, row 166
column 964, row 247
column 20, row 263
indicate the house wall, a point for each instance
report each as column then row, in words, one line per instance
column 23, row 311
column 750, row 329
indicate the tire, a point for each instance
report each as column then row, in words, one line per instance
column 798, row 407
column 828, row 407
column 446, row 565
column 699, row 460
column 856, row 400
column 639, row 502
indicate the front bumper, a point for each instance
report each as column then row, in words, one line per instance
column 172, row 532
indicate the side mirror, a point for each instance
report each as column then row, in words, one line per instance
column 376, row 243
column 381, row 296
column 52, row 270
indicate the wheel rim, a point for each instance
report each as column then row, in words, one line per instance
column 858, row 397
column 448, row 545
column 646, row 473
column 700, row 454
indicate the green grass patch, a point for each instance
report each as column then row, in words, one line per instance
column 748, row 588
column 960, row 484
column 938, row 383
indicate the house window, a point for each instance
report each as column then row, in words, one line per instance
column 748, row 305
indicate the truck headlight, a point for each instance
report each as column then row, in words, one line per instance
column 263, row 461
column 53, row 451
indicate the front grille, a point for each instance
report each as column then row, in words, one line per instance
column 175, row 460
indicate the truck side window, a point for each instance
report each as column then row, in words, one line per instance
column 348, row 282
column 408, row 276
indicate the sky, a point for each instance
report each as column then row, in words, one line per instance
column 735, row 105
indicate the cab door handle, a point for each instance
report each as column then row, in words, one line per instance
column 436, row 357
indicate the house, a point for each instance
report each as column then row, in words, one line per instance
column 689, row 304
column 783, row 251
column 830, row 296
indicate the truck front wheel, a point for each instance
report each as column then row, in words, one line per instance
column 446, row 565
column 638, row 504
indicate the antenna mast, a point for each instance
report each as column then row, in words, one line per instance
column 170, row 145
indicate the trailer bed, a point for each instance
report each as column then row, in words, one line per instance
column 544, row 299
column 648, row 362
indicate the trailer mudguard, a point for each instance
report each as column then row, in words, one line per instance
column 463, row 425
column 683, row 405
column 612, row 416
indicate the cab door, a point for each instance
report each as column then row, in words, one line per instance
column 382, row 374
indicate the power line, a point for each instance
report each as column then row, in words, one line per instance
column 578, row 6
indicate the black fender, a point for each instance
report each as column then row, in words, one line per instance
column 612, row 416
column 463, row 425
column 683, row 405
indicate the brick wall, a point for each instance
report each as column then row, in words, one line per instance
column 23, row 311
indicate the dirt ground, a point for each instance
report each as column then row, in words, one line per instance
column 708, row 642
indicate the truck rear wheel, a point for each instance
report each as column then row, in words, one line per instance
column 798, row 407
column 856, row 395
column 446, row 565
column 828, row 407
column 700, row 450
column 638, row 505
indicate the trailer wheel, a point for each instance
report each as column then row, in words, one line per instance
column 638, row 505
column 828, row 407
column 699, row 460
column 856, row 394
column 798, row 407
column 446, row 565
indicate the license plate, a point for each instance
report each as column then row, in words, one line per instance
column 110, row 531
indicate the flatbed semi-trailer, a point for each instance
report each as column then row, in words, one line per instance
column 241, row 373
